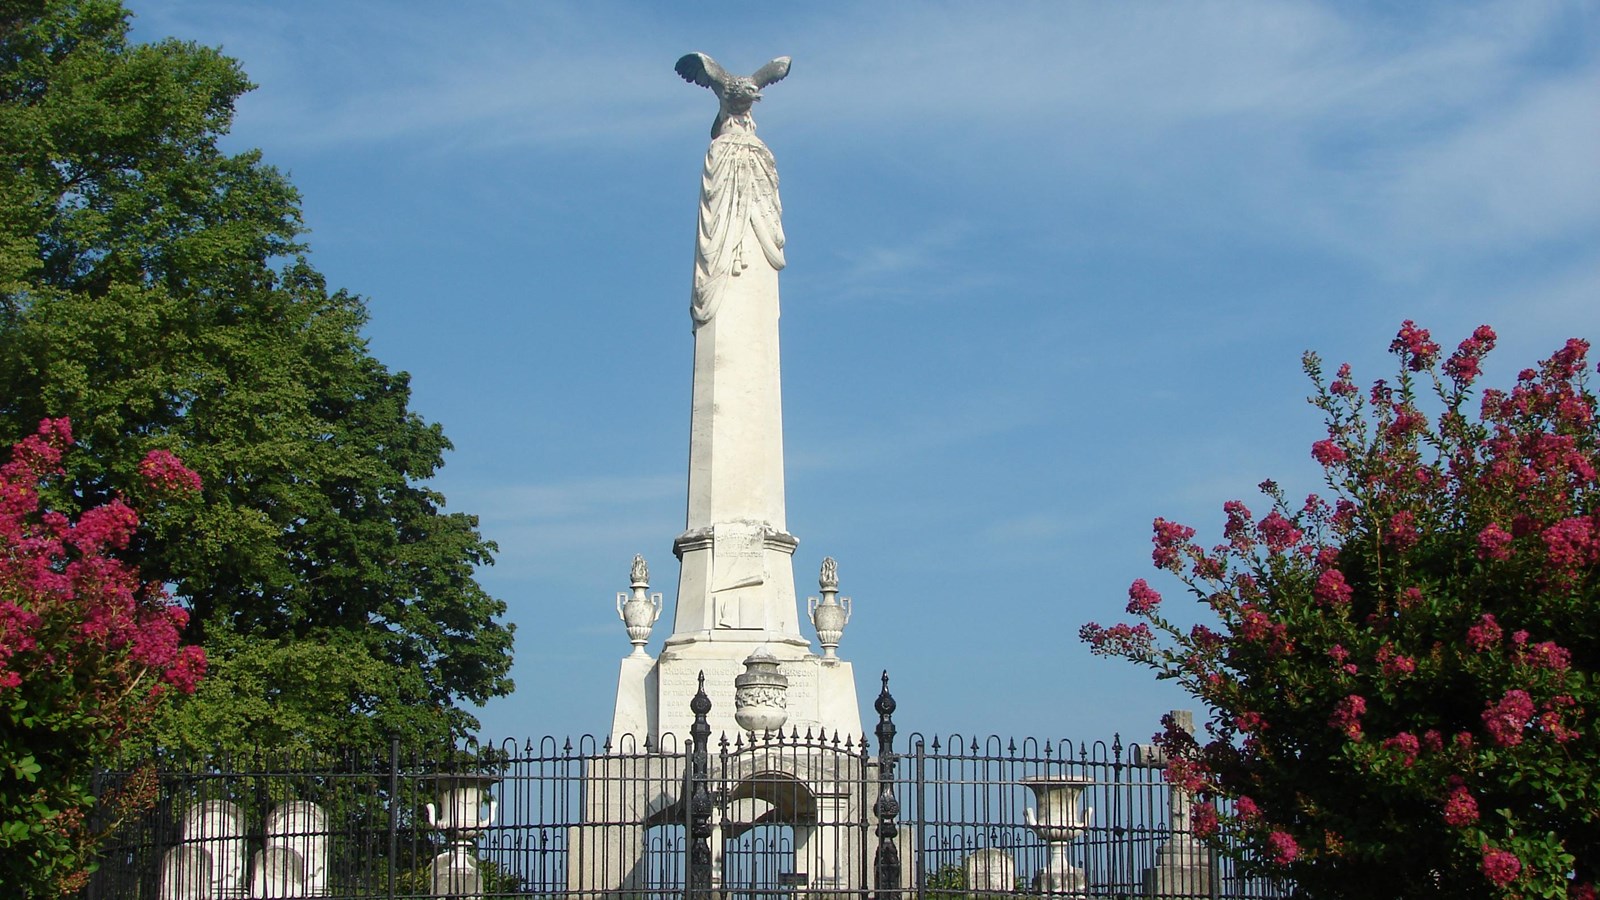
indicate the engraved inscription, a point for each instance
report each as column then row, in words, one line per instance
column 738, row 556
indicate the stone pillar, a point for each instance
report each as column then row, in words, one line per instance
column 1183, row 865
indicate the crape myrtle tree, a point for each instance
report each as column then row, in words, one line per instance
column 88, row 652
column 1401, row 675
column 154, row 290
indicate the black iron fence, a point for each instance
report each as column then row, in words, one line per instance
column 747, row 816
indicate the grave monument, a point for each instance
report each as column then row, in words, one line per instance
column 736, row 617
column 736, row 591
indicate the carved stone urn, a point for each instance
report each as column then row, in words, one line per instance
column 640, row 611
column 761, row 694
column 461, row 816
column 830, row 614
column 460, row 813
column 1058, row 823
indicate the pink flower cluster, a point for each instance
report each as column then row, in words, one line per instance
column 74, row 613
column 1121, row 639
column 1171, row 539
column 1331, row 589
column 1485, row 635
column 163, row 470
column 1328, row 453
column 1283, row 847
column 1465, row 365
column 1278, row 532
column 1494, row 543
column 1415, row 346
column 1500, row 866
column 1460, row 809
column 1394, row 664
column 1347, row 715
column 1142, row 599
column 1506, row 720
column 1405, row 744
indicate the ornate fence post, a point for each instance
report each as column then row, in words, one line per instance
column 886, row 861
column 699, row 881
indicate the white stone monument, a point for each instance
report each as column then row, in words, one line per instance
column 736, row 578
column 736, row 602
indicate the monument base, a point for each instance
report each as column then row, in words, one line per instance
column 653, row 694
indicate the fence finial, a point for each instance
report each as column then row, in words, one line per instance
column 886, row 861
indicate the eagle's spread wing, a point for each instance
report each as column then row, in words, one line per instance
column 771, row 73
column 698, row 68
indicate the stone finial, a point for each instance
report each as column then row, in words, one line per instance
column 828, row 580
column 640, row 611
column 830, row 614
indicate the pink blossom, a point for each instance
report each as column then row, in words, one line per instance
column 1342, row 384
column 1460, row 809
column 1135, row 641
column 1278, row 532
column 1570, row 543
column 1237, row 528
column 1170, row 538
column 1328, row 453
column 1393, row 664
column 1283, row 847
column 1463, row 365
column 1185, row 773
column 187, row 670
column 1500, row 866
column 1249, row 722
column 1405, row 744
column 111, row 525
column 163, row 470
column 1494, row 542
column 1347, row 715
column 1506, row 719
column 1203, row 820
column 1415, row 346
column 1142, row 599
column 1403, row 534
column 1331, row 588
column 1246, row 808
column 1547, row 655
column 1485, row 635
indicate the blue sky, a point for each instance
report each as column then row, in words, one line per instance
column 1051, row 270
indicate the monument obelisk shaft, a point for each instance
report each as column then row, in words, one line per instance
column 736, row 582
column 737, row 578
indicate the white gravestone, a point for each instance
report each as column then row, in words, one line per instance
column 209, row 859
column 990, row 871
column 295, row 857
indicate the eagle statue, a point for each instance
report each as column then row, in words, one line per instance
column 735, row 93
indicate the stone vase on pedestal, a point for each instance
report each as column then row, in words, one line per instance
column 639, row 612
column 761, row 694
column 1058, row 823
column 830, row 614
column 460, row 815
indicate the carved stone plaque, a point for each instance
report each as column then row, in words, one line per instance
column 738, row 556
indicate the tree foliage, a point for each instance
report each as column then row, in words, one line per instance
column 154, row 289
column 88, row 652
column 1402, row 683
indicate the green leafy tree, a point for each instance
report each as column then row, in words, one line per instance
column 88, row 652
column 1403, row 682
column 153, row 288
